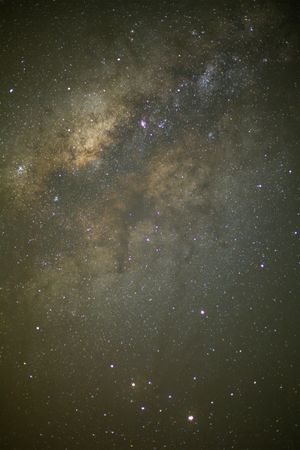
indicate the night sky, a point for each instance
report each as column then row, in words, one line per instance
column 149, row 198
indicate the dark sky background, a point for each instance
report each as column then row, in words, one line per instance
column 149, row 225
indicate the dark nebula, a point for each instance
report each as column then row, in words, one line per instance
column 149, row 225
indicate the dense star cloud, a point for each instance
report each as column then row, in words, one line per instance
column 149, row 225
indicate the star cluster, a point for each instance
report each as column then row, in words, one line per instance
column 149, row 225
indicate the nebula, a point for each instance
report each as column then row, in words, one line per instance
column 149, row 224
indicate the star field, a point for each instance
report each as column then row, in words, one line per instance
column 149, row 225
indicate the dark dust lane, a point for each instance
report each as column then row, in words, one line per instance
column 149, row 225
